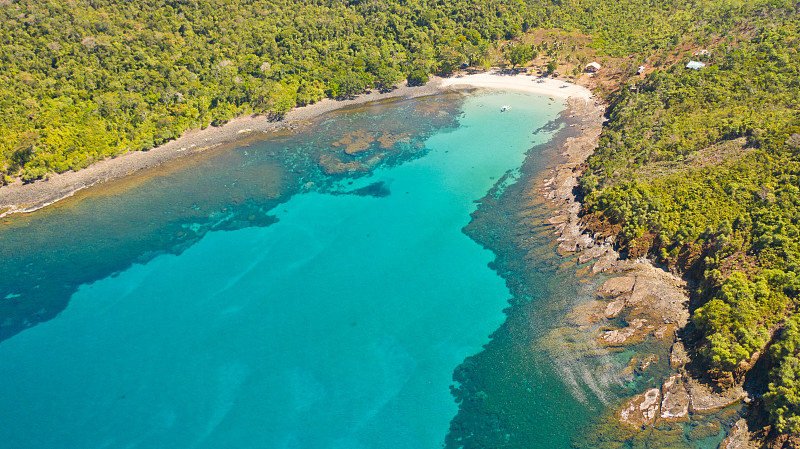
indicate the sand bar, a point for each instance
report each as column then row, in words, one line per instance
column 19, row 198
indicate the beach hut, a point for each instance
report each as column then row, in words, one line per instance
column 695, row 65
column 593, row 67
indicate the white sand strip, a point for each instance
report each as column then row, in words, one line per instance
column 522, row 82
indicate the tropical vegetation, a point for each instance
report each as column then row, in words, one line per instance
column 699, row 169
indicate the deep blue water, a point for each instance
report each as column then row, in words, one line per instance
column 337, row 326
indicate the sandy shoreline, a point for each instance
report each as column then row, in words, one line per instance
column 20, row 198
column 524, row 83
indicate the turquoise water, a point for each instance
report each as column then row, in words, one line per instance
column 337, row 326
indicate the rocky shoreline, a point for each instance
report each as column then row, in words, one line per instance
column 637, row 302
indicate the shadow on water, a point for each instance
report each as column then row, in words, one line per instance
column 103, row 230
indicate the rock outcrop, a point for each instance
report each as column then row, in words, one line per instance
column 739, row 437
column 705, row 400
column 641, row 411
column 675, row 405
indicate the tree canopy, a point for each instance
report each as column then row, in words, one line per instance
column 702, row 171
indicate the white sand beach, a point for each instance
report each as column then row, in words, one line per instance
column 520, row 82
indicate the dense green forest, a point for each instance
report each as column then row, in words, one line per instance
column 85, row 80
column 698, row 169
column 702, row 171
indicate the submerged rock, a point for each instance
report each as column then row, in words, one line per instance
column 645, row 363
column 705, row 430
column 558, row 219
column 739, row 437
column 333, row 166
column 627, row 335
column 388, row 140
column 355, row 142
column 585, row 314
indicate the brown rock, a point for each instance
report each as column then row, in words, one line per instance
column 617, row 286
column 388, row 140
column 558, row 219
column 705, row 400
column 614, row 308
column 739, row 437
column 675, row 405
column 662, row 294
column 591, row 253
column 641, row 411
column 663, row 331
column 571, row 242
column 333, row 166
column 605, row 262
column 626, row 335
column 646, row 362
column 357, row 147
column 356, row 142
column 642, row 289
column 678, row 356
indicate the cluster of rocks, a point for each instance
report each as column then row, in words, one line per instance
column 679, row 395
column 356, row 151
column 358, row 141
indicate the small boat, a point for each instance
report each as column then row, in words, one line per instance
column 505, row 108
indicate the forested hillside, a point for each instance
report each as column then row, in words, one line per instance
column 701, row 170
column 84, row 80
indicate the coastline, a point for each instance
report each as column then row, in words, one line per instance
column 546, row 383
column 639, row 308
column 23, row 198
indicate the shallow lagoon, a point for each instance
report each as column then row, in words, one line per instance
column 338, row 325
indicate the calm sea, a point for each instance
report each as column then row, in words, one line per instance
column 313, row 289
